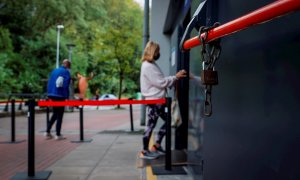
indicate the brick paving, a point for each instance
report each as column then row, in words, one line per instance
column 13, row 157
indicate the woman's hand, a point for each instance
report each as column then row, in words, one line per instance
column 181, row 74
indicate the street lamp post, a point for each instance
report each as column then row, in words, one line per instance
column 57, row 50
column 70, row 47
column 71, row 89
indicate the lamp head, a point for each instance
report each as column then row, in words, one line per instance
column 60, row 26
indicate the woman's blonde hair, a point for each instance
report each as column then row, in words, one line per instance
column 150, row 51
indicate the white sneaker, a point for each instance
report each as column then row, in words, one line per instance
column 148, row 155
column 158, row 150
column 48, row 135
column 61, row 137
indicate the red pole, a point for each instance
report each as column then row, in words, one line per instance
column 266, row 13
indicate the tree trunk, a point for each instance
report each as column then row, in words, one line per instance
column 120, row 86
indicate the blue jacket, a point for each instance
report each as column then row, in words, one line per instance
column 59, row 92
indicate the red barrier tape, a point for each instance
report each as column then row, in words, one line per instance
column 99, row 102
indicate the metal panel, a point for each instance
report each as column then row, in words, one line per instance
column 254, row 130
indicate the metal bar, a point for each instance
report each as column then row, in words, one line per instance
column 20, row 105
column 81, row 122
column 13, row 124
column 81, row 128
column 31, row 168
column 168, row 160
column 261, row 15
column 131, row 117
column 47, row 115
column 6, row 106
column 31, row 174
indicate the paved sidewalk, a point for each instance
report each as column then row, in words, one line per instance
column 14, row 156
column 112, row 154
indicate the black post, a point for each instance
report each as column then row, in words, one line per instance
column 47, row 115
column 168, row 163
column 31, row 109
column 20, row 105
column 13, row 125
column 81, row 122
column 131, row 117
column 43, row 175
column 6, row 106
column 81, row 138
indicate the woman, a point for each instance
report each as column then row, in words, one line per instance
column 83, row 84
column 154, row 86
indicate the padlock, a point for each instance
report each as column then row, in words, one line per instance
column 209, row 77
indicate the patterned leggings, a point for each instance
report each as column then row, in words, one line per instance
column 154, row 111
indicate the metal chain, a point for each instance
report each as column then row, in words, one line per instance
column 209, row 55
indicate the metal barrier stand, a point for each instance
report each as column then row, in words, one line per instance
column 168, row 169
column 131, row 116
column 81, row 127
column 13, row 125
column 31, row 174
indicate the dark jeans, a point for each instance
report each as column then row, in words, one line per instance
column 58, row 113
column 154, row 111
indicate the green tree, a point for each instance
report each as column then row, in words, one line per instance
column 107, row 35
column 6, row 53
column 122, row 40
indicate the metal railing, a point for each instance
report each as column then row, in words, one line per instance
column 261, row 15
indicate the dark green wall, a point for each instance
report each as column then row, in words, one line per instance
column 254, row 132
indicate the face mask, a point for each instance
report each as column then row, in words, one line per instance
column 157, row 56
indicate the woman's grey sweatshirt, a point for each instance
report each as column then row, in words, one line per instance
column 153, row 82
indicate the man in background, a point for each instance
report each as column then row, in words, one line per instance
column 58, row 90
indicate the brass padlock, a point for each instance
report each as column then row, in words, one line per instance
column 209, row 77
